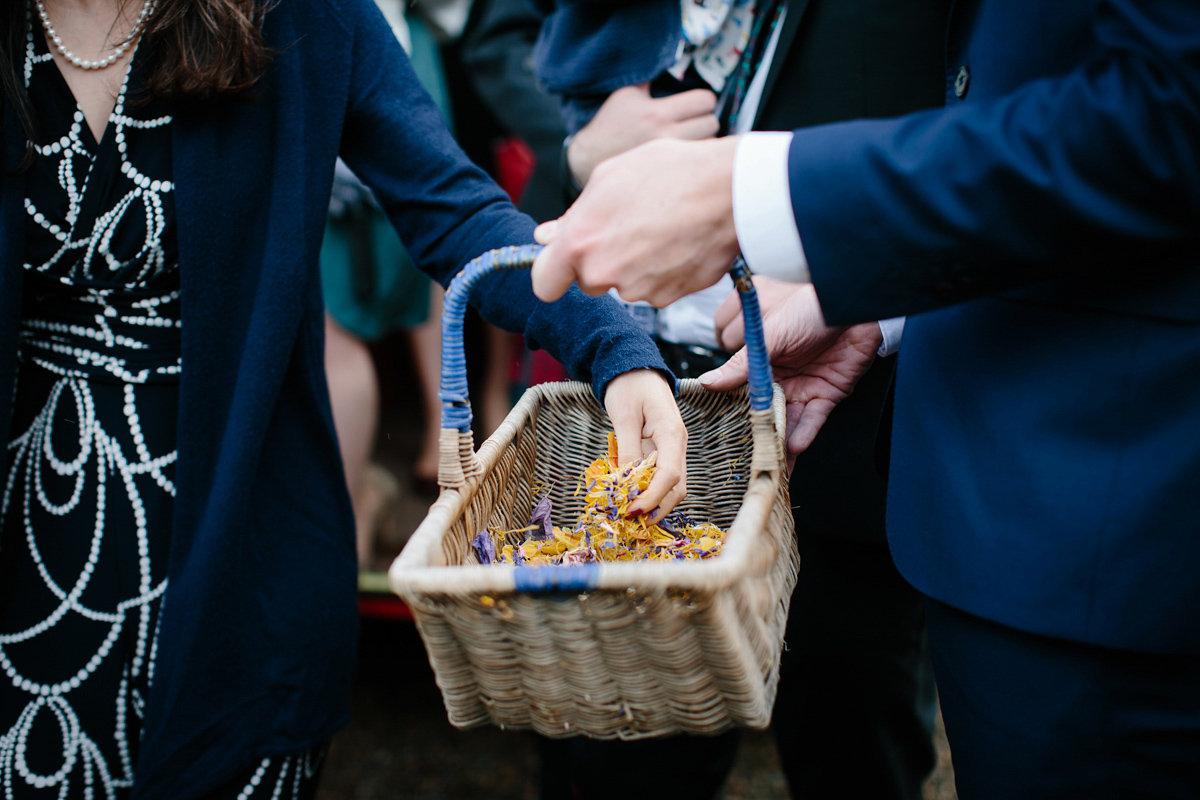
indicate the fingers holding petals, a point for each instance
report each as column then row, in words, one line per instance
column 669, row 485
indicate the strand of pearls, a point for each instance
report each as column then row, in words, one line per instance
column 147, row 9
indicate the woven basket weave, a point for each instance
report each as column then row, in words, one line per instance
column 615, row 650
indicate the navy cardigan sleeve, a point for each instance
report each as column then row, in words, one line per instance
column 447, row 211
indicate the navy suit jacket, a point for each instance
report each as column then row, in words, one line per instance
column 1044, row 229
column 257, row 645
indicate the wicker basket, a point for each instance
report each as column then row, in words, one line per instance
column 616, row 650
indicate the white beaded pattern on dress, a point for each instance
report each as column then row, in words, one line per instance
column 87, row 251
column 100, row 457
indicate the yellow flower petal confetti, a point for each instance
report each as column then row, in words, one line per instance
column 604, row 531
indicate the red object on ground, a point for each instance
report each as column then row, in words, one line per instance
column 382, row 606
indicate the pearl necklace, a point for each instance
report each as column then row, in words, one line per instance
column 147, row 9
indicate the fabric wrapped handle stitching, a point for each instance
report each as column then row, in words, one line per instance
column 456, row 404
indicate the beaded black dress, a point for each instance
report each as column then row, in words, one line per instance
column 86, row 505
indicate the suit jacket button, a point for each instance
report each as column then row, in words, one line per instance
column 962, row 82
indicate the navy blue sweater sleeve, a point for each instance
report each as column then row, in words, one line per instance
column 447, row 211
column 595, row 47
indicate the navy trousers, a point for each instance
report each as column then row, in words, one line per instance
column 856, row 703
column 1035, row 718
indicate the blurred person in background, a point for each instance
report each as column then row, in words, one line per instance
column 497, row 55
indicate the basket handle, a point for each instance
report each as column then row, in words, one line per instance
column 762, row 382
column 457, row 458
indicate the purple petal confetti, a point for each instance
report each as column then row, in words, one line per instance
column 541, row 516
column 485, row 547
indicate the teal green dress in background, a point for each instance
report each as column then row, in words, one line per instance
column 370, row 284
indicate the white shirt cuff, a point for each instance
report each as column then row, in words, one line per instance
column 762, row 208
column 892, row 330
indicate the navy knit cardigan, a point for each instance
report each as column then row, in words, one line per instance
column 257, row 646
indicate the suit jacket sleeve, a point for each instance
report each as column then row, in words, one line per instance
column 1082, row 178
column 447, row 211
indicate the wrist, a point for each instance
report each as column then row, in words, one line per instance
column 648, row 378
column 579, row 166
column 571, row 187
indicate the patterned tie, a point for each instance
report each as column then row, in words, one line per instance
column 729, row 102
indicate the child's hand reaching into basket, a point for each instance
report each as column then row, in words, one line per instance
column 642, row 407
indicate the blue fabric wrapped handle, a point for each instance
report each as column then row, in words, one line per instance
column 552, row 578
column 762, row 382
column 456, row 405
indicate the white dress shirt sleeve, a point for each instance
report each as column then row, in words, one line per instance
column 892, row 330
column 762, row 208
column 766, row 224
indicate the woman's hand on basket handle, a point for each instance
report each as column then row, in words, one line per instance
column 817, row 365
column 641, row 405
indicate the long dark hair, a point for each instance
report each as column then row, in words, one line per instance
column 202, row 48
